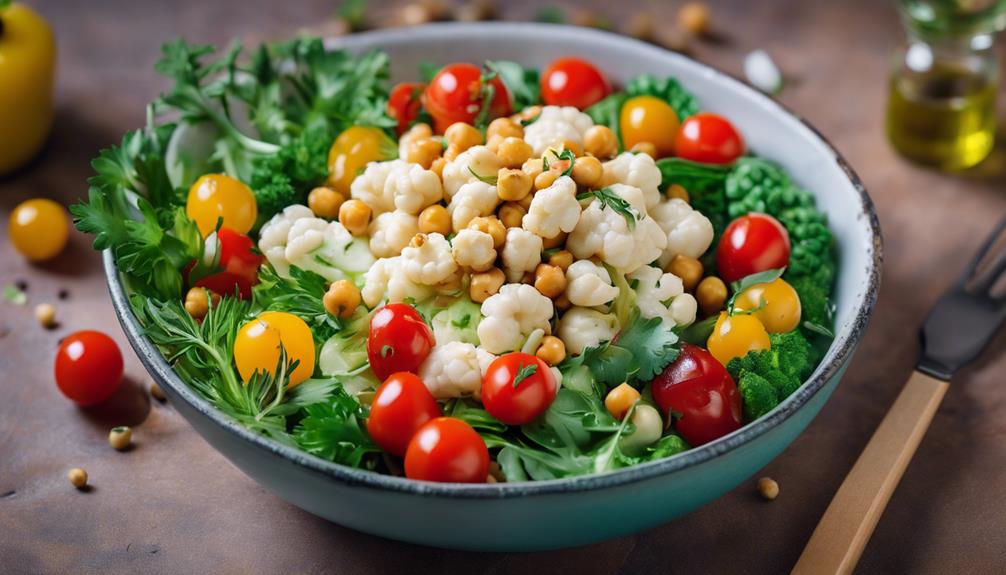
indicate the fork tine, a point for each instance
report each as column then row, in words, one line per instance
column 982, row 252
column 992, row 273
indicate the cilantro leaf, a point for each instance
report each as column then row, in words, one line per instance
column 652, row 345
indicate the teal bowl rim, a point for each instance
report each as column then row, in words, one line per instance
column 163, row 374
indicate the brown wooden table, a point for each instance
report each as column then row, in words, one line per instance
column 174, row 505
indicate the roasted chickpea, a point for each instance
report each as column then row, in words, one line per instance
column 677, row 191
column 587, row 171
column 77, row 477
column 435, row 220
column 549, row 280
column 493, row 143
column 555, row 241
column 600, row 142
column 342, row 298
column 424, row 152
column 552, row 350
column 120, row 437
column 325, row 202
column 420, row 131
column 462, row 136
column 197, row 302
column 451, row 153
column 686, row 268
column 768, row 488
column 711, row 294
column 157, row 393
column 512, row 185
column 513, row 152
column 620, row 399
column 572, row 146
column 437, row 167
column 504, row 127
column 533, row 167
column 45, row 313
column 490, row 225
column 354, row 215
column 546, row 179
column 512, row 214
column 485, row 284
column 694, row 17
column 562, row 259
column 645, row 148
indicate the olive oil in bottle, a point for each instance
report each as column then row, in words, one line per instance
column 943, row 117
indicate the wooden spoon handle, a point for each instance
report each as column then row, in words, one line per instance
column 849, row 521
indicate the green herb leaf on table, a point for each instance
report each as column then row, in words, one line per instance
column 14, row 295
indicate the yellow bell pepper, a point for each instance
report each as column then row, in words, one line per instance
column 27, row 67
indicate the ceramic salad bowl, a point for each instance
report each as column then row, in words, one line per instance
column 579, row 510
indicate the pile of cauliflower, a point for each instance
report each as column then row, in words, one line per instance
column 395, row 261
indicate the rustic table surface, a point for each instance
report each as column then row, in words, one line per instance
column 174, row 505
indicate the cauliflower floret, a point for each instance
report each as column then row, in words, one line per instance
column 553, row 209
column 476, row 159
column 581, row 327
column 397, row 185
column 474, row 249
column 452, row 370
column 588, row 284
column 637, row 170
column 605, row 232
column 390, row 232
column 654, row 287
column 554, row 125
column 428, row 260
column 473, row 199
column 510, row 315
column 688, row 231
column 294, row 237
column 521, row 253
column 385, row 280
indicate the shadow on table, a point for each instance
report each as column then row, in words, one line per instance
column 129, row 405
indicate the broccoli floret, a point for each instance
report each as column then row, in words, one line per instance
column 285, row 178
column 684, row 102
column 814, row 303
column 781, row 369
column 760, row 396
column 812, row 253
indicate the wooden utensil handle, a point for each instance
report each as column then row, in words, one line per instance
column 847, row 524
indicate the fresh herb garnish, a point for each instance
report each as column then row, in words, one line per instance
column 14, row 295
column 609, row 199
column 524, row 372
column 491, row 180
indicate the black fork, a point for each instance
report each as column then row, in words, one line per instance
column 959, row 326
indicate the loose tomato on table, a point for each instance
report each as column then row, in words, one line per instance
column 401, row 406
column 237, row 265
column 735, row 335
column 776, row 305
column 257, row 346
column 399, row 340
column 88, row 367
column 751, row 244
column 215, row 197
column 573, row 82
column 457, row 94
column 708, row 138
column 39, row 228
column 700, row 394
column 649, row 119
column 352, row 150
column 517, row 388
column 447, row 450
column 404, row 103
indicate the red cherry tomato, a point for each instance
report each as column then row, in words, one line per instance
column 447, row 450
column 573, row 82
column 517, row 388
column 751, row 244
column 88, row 367
column 401, row 406
column 456, row 95
column 404, row 102
column 701, row 395
column 238, row 266
column 710, row 139
column 399, row 340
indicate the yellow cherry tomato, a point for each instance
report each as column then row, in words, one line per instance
column 736, row 335
column 649, row 119
column 27, row 67
column 352, row 150
column 39, row 228
column 216, row 196
column 781, row 310
column 256, row 347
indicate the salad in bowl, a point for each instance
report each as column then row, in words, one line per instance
column 494, row 274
